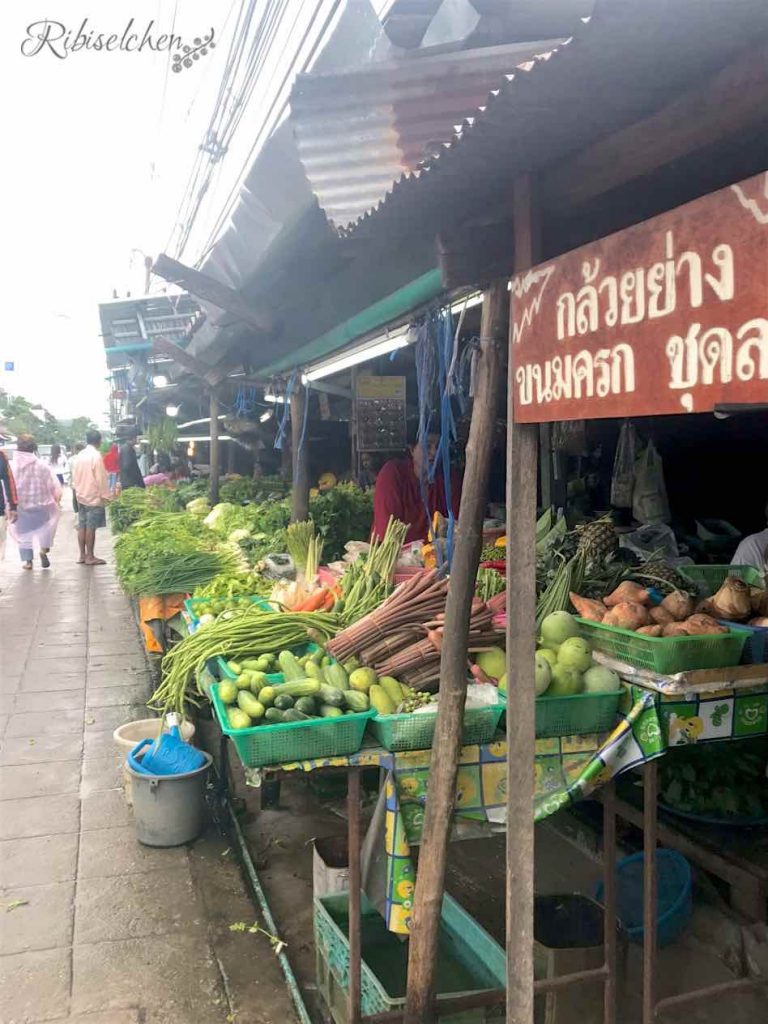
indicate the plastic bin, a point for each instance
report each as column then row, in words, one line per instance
column 417, row 731
column 578, row 714
column 128, row 735
column 756, row 644
column 665, row 655
column 468, row 961
column 293, row 741
column 674, row 895
column 707, row 579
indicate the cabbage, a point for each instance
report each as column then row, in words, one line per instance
column 217, row 512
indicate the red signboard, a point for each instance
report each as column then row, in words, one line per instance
column 668, row 316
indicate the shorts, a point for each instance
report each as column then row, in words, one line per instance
column 90, row 517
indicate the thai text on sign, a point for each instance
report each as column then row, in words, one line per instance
column 668, row 316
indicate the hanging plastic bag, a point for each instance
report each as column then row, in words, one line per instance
column 623, row 479
column 649, row 500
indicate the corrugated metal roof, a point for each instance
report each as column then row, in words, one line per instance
column 359, row 130
column 624, row 62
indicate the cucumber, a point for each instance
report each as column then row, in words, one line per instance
column 336, row 676
column 356, row 701
column 228, row 691
column 306, row 705
column 292, row 715
column 237, row 719
column 273, row 716
column 314, row 671
column 331, row 695
column 283, row 701
column 301, row 687
column 330, row 711
column 251, row 664
column 351, row 664
column 243, row 681
column 258, row 682
column 318, row 655
column 248, row 703
column 381, row 700
column 290, row 667
column 234, row 667
column 393, row 689
column 267, row 696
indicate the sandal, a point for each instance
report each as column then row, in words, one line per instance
column 26, row 565
column 45, row 560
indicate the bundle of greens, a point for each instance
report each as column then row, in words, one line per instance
column 238, row 584
column 716, row 780
column 171, row 553
column 343, row 513
column 137, row 503
column 242, row 489
column 489, row 584
column 368, row 580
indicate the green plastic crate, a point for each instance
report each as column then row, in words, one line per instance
column 469, row 961
column 417, row 731
column 665, row 655
column 707, row 579
column 577, row 715
column 293, row 741
column 192, row 604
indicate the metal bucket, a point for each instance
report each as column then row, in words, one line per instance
column 169, row 810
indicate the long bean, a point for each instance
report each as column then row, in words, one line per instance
column 251, row 630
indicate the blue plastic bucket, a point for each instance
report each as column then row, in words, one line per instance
column 674, row 899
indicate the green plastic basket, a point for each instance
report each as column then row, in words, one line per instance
column 666, row 655
column 577, row 715
column 417, row 731
column 707, row 579
column 469, row 961
column 293, row 741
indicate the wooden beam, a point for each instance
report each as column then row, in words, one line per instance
column 725, row 105
column 214, row 460
column 300, row 475
column 205, row 287
column 441, row 785
column 522, row 451
column 166, row 347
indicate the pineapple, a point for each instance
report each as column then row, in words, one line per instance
column 597, row 540
column 661, row 572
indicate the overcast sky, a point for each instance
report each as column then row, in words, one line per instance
column 97, row 149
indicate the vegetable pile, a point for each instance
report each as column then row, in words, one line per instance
column 137, row 503
column 245, row 631
column 630, row 607
column 309, row 686
column 717, row 780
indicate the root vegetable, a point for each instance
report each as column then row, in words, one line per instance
column 758, row 599
column 627, row 615
column 660, row 616
column 705, row 607
column 703, row 625
column 675, row 629
column 732, row 601
column 678, row 604
column 594, row 611
column 627, row 592
column 651, row 630
column 761, row 620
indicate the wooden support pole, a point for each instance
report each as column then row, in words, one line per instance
column 522, row 451
column 441, row 787
column 214, row 459
column 355, row 883
column 650, row 883
column 300, row 476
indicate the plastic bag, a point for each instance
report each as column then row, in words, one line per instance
column 649, row 498
column 656, row 541
column 623, row 479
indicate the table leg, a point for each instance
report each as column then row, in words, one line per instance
column 650, row 800
column 609, row 900
column 353, row 814
column 223, row 780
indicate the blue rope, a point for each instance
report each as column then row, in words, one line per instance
column 282, row 429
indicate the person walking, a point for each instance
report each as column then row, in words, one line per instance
column 8, row 500
column 59, row 463
column 91, row 487
column 37, row 513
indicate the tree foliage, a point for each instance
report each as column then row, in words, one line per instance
column 20, row 416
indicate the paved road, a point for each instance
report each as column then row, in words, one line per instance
column 94, row 928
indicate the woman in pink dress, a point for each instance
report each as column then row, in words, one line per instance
column 38, row 510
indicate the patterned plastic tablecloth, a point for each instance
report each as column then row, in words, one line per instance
column 567, row 769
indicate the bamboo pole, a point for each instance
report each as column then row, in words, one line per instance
column 430, row 883
column 522, row 450
column 300, row 480
column 214, row 460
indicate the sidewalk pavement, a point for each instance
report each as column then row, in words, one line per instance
column 94, row 928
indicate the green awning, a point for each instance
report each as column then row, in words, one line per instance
column 398, row 304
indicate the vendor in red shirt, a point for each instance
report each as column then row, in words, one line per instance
column 398, row 492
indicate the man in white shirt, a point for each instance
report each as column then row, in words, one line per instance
column 89, row 481
column 753, row 550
